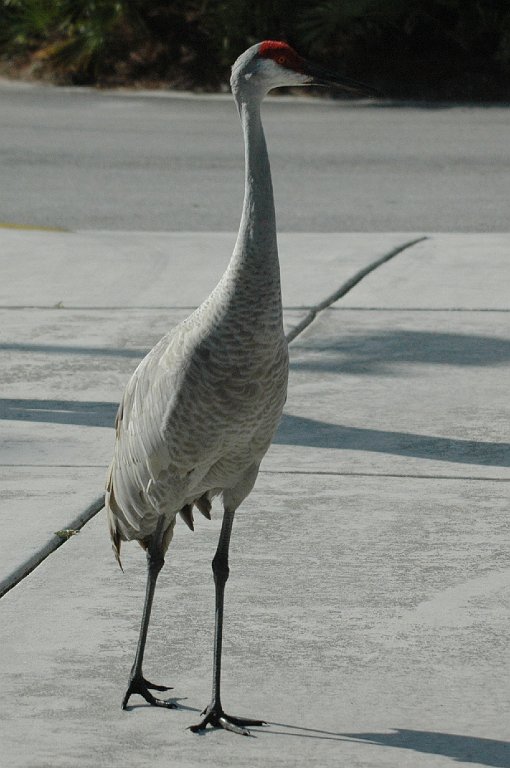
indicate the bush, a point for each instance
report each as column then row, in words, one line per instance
column 412, row 48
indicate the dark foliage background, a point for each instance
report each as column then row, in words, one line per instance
column 448, row 49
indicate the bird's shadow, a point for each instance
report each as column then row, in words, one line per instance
column 177, row 701
column 460, row 748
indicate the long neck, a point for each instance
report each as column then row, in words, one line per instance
column 257, row 230
column 252, row 278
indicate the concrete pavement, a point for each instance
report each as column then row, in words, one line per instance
column 367, row 610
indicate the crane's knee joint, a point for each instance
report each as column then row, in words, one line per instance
column 155, row 561
column 220, row 568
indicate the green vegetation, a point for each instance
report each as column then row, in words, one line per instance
column 456, row 49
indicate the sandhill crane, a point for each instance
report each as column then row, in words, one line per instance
column 200, row 411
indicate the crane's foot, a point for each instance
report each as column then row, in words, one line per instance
column 140, row 685
column 216, row 718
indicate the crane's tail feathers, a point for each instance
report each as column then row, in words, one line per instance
column 187, row 515
column 112, row 523
column 203, row 504
column 116, row 540
column 116, row 552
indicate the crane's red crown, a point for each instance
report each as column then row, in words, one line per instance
column 282, row 54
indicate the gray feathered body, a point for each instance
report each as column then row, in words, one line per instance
column 200, row 411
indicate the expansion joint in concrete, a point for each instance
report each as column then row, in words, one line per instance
column 56, row 541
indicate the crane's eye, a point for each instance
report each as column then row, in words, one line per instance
column 281, row 59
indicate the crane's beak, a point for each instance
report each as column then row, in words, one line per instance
column 320, row 76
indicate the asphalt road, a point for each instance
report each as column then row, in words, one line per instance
column 84, row 159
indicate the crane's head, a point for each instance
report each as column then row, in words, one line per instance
column 273, row 64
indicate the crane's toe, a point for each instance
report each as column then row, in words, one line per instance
column 155, row 687
column 217, row 718
column 140, row 685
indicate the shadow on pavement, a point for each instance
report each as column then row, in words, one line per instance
column 293, row 430
column 466, row 749
column 354, row 353
column 298, row 430
column 376, row 353
column 87, row 414
column 177, row 700
column 62, row 349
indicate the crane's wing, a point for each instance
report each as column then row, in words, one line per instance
column 142, row 453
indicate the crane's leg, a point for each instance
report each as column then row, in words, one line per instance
column 137, row 682
column 214, row 714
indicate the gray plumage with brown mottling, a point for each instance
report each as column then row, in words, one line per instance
column 201, row 409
